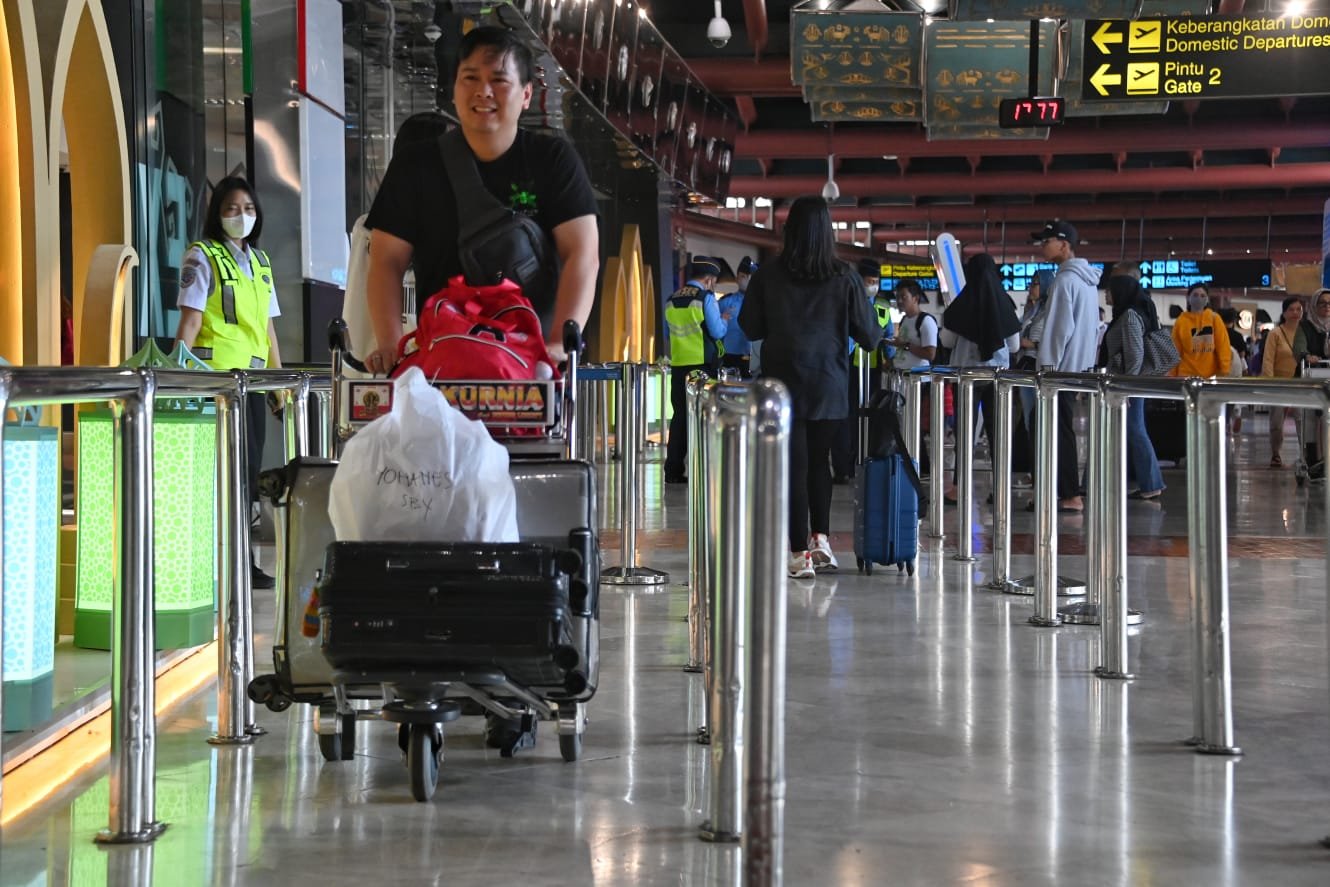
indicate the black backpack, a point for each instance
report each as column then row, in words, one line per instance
column 494, row 242
column 884, row 432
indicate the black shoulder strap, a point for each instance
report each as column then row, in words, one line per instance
column 886, row 404
column 477, row 208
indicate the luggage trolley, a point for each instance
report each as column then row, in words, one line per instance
column 356, row 670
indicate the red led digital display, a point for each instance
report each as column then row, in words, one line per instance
column 1035, row 111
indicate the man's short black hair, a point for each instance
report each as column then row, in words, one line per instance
column 504, row 43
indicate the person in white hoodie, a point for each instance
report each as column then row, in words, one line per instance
column 1071, row 333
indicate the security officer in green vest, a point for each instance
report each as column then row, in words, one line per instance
column 695, row 327
column 227, row 302
column 845, row 451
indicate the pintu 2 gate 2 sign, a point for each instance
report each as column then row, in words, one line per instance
column 1207, row 58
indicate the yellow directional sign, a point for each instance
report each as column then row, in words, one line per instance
column 1207, row 57
column 1102, row 79
column 1144, row 36
column 1143, row 78
column 1105, row 37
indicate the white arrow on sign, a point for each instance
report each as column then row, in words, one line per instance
column 1101, row 78
column 1104, row 37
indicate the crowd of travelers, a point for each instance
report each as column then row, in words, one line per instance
column 815, row 320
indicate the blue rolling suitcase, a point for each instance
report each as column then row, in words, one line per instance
column 886, row 495
column 886, row 515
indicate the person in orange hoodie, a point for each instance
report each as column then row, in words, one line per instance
column 1201, row 338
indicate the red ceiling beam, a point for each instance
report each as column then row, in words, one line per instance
column 1131, row 210
column 755, row 23
column 1075, row 137
column 1211, row 178
column 728, row 76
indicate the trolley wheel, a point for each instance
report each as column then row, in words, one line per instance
column 859, row 562
column 909, row 568
column 422, row 760
column 340, row 746
column 570, row 746
column 868, row 567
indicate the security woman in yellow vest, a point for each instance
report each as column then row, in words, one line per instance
column 693, row 319
column 227, row 302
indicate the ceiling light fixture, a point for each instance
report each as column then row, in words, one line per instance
column 831, row 191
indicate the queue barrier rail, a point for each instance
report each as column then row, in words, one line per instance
column 1207, row 401
column 132, row 394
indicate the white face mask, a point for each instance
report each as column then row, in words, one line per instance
column 238, row 227
column 1196, row 302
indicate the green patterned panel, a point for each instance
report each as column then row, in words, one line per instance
column 854, row 43
column 972, row 66
column 900, row 110
column 184, row 527
column 979, row 10
column 938, row 132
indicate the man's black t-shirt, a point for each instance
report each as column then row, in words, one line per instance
column 539, row 175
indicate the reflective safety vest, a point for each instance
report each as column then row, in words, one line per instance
column 234, row 335
column 883, row 309
column 686, row 322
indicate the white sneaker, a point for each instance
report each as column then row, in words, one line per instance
column 819, row 551
column 800, row 565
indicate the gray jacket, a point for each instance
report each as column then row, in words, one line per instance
column 1071, row 330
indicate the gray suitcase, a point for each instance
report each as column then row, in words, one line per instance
column 555, row 499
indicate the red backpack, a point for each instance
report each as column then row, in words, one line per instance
column 477, row 332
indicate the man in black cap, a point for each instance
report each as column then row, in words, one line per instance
column 1070, row 341
column 845, row 452
column 737, row 348
column 693, row 319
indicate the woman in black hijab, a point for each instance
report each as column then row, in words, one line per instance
column 982, row 329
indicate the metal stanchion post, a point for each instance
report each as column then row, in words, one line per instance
column 1087, row 612
column 1207, row 522
column 603, row 408
column 665, row 373
column 914, row 388
column 133, row 654
column 936, row 436
column 1001, row 483
column 861, row 408
column 1045, row 505
column 964, row 468
column 764, row 731
column 232, row 568
column 728, row 489
column 323, row 422
column 1113, row 533
column 1046, row 443
column 295, row 420
column 628, row 573
column 697, row 524
column 641, row 417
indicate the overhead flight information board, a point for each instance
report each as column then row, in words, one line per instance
column 1198, row 57
column 922, row 273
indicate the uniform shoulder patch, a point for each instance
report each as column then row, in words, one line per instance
column 189, row 275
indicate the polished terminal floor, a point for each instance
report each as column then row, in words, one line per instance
column 934, row 738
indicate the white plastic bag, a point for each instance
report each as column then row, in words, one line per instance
column 423, row 473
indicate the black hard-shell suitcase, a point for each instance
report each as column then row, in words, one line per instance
column 1166, row 426
column 429, row 607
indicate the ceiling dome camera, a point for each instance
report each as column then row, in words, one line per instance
column 718, row 31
